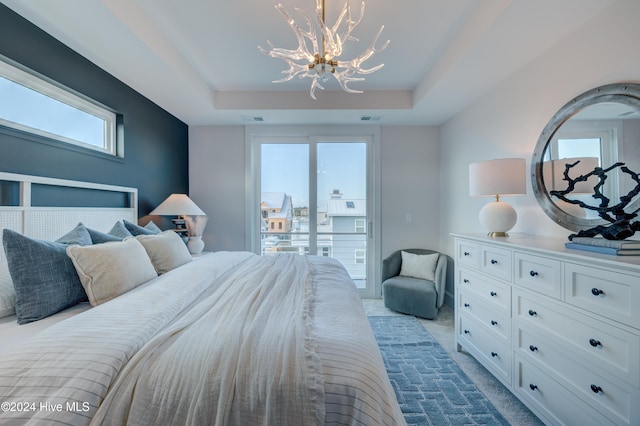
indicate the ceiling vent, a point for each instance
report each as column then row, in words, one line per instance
column 252, row 119
column 370, row 118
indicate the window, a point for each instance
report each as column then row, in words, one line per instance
column 351, row 205
column 360, row 226
column 360, row 256
column 32, row 104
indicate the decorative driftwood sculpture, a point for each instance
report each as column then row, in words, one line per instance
column 620, row 225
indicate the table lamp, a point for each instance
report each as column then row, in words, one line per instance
column 497, row 178
column 179, row 205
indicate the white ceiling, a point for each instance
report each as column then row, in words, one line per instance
column 199, row 59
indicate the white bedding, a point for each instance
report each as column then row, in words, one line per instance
column 12, row 334
column 76, row 363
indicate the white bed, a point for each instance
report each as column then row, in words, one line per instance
column 228, row 338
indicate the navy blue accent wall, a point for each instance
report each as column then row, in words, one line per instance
column 155, row 142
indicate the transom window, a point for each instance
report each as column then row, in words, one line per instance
column 32, row 104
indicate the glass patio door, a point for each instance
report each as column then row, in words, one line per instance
column 313, row 199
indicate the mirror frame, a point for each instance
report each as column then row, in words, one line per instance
column 624, row 93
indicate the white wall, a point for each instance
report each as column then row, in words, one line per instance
column 409, row 186
column 507, row 121
column 216, row 183
column 408, row 172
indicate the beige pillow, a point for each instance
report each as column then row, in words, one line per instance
column 166, row 250
column 108, row 270
column 419, row 265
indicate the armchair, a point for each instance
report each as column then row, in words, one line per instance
column 411, row 295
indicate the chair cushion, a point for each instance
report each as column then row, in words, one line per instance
column 411, row 296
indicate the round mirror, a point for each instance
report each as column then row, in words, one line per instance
column 599, row 128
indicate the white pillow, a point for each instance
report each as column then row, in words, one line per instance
column 108, row 270
column 419, row 265
column 7, row 293
column 166, row 250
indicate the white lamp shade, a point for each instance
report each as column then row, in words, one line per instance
column 177, row 205
column 505, row 176
column 496, row 178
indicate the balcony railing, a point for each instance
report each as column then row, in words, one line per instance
column 349, row 248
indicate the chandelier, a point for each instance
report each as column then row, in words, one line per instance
column 319, row 61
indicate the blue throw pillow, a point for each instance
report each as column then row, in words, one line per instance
column 153, row 227
column 78, row 235
column 44, row 277
column 137, row 229
column 98, row 237
column 120, row 231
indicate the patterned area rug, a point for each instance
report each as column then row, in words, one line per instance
column 429, row 385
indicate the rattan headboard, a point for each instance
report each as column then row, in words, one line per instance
column 31, row 218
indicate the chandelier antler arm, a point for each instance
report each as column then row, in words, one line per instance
column 302, row 52
column 351, row 24
column 344, row 77
column 315, row 83
column 356, row 63
column 333, row 40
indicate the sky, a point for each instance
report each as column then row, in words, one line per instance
column 340, row 165
column 33, row 109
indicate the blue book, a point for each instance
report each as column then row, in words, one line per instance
column 602, row 242
column 604, row 250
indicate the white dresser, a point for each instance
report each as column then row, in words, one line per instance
column 560, row 328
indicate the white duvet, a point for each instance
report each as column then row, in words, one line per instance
column 231, row 338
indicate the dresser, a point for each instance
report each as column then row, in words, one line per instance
column 560, row 328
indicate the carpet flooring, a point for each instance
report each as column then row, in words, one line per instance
column 429, row 385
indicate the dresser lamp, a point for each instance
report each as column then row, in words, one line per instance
column 180, row 205
column 497, row 178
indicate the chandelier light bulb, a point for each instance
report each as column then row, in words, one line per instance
column 316, row 55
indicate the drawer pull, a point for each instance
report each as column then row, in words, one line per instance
column 467, row 332
column 466, row 281
column 596, row 291
column 533, row 348
column 533, row 313
column 596, row 389
column 595, row 343
column 493, row 322
column 533, row 273
column 532, row 386
column 466, row 305
column 494, row 262
column 493, row 354
column 493, row 294
column 466, row 253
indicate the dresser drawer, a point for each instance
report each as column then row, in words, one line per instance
column 497, row 294
column 554, row 403
column 492, row 353
column 467, row 253
column 496, row 322
column 496, row 262
column 603, row 292
column 610, row 350
column 537, row 273
column 614, row 398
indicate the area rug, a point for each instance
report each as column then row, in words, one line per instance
column 430, row 387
